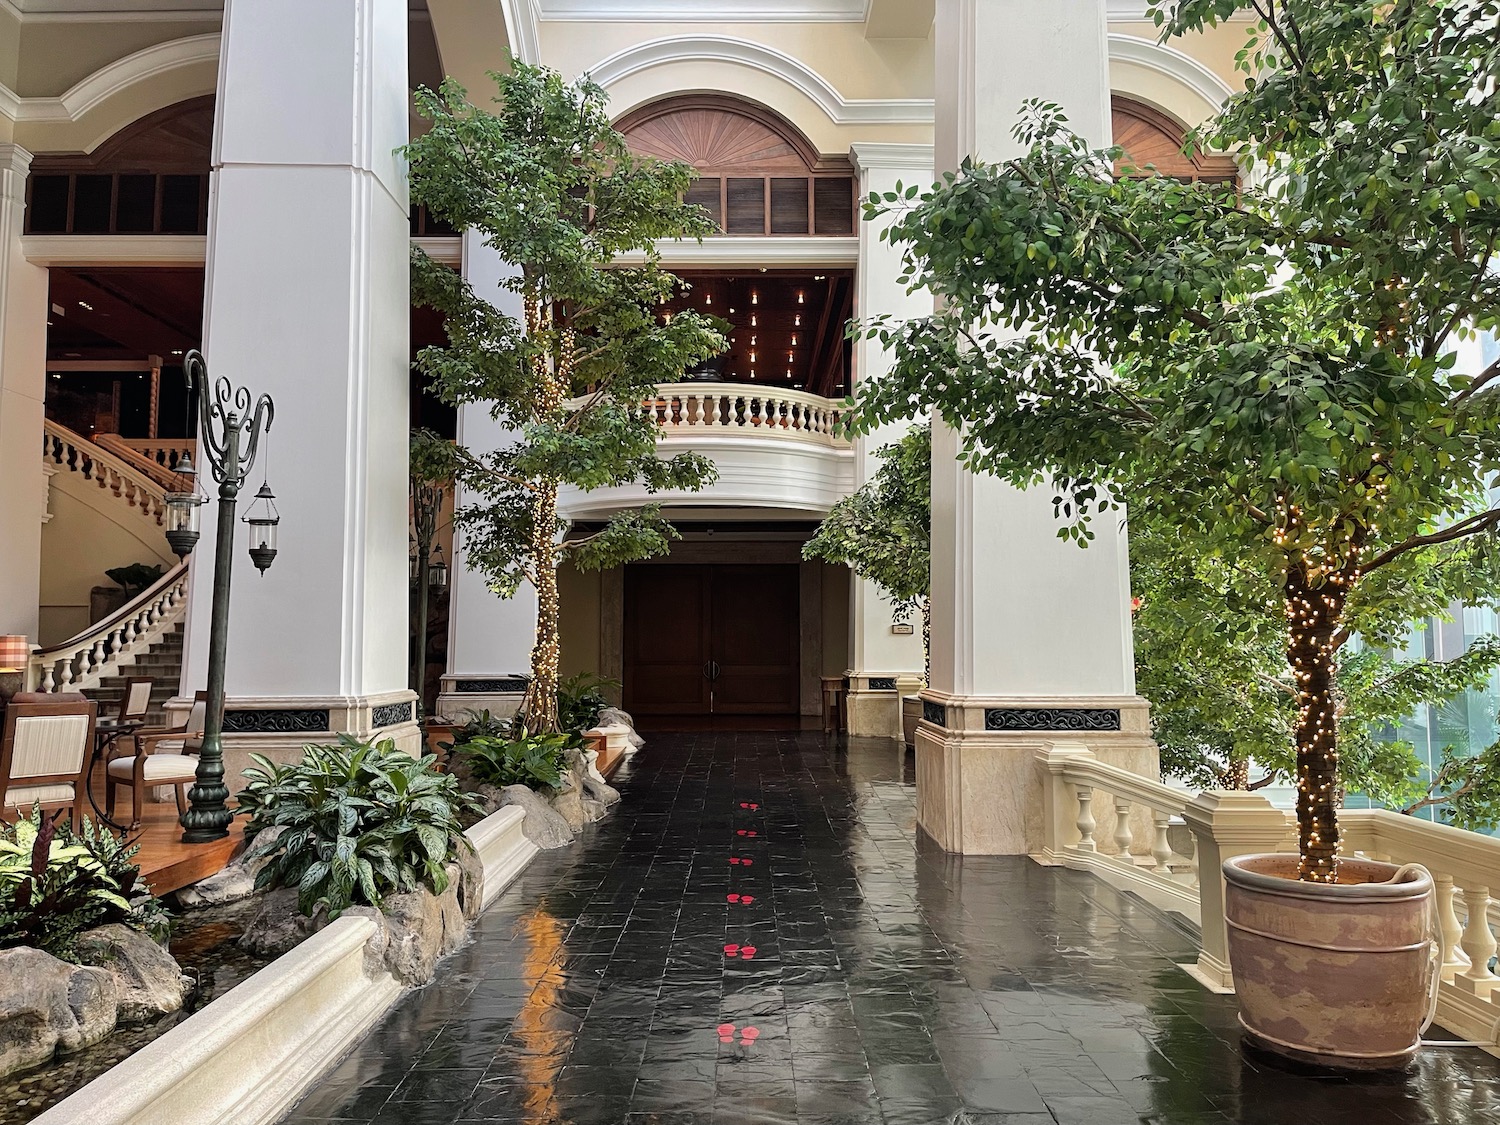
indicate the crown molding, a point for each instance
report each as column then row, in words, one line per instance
column 870, row 154
column 1169, row 61
column 757, row 56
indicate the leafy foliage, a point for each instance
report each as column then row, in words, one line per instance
column 56, row 883
column 533, row 760
column 555, row 191
column 580, row 698
column 480, row 724
column 1271, row 370
column 136, row 576
column 359, row 821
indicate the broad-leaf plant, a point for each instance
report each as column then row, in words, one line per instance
column 1271, row 369
column 546, row 181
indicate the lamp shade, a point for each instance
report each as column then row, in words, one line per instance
column 15, row 653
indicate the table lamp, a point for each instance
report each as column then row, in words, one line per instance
column 15, row 654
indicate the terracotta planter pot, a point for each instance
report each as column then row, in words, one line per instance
column 1330, row 974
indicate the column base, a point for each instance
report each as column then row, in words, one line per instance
column 280, row 726
column 979, row 791
column 501, row 695
column 873, row 702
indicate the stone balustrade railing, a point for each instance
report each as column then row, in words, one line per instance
column 166, row 452
column 77, row 454
column 156, row 460
column 700, row 409
column 82, row 661
column 1090, row 817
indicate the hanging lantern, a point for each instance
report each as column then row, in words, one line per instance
column 182, row 509
column 263, row 518
column 437, row 570
column 413, row 562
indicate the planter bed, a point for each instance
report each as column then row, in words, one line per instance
column 245, row 1058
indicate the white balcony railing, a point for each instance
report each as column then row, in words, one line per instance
column 688, row 409
column 1090, row 808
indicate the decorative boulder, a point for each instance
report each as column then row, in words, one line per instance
column 47, row 1006
column 613, row 716
column 235, row 882
column 149, row 982
column 280, row 927
column 420, row 928
column 571, row 803
column 542, row 826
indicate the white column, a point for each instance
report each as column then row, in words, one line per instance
column 883, row 665
column 23, row 379
column 489, row 637
column 308, row 299
column 1030, row 635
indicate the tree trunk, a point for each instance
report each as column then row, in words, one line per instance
column 927, row 642
column 1236, row 774
column 1313, row 614
column 540, row 706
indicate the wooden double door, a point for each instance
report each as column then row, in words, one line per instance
column 712, row 644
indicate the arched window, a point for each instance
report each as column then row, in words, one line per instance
column 1151, row 139
column 758, row 174
column 149, row 178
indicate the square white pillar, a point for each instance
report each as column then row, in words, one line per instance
column 883, row 665
column 23, row 386
column 489, row 637
column 1030, row 634
column 308, row 299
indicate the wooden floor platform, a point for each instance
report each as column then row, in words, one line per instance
column 166, row 863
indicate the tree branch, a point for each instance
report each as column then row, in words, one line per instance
column 1473, row 525
column 1485, row 377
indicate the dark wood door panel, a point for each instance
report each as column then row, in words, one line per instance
column 754, row 639
column 667, row 640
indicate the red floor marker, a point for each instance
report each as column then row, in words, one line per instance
column 747, row 863
column 731, row 950
column 749, row 1035
column 733, row 898
column 733, row 861
column 747, row 952
column 746, row 900
column 726, row 1033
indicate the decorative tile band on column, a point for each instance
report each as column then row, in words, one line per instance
column 882, row 683
column 934, row 713
column 488, row 687
column 312, row 720
column 391, row 714
column 1052, row 718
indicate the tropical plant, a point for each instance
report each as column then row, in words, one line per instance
column 135, row 577
column 56, row 883
column 430, row 477
column 359, row 821
column 552, row 187
column 580, row 698
column 882, row 531
column 533, row 760
column 1270, row 368
column 480, row 724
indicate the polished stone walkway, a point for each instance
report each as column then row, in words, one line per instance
column 889, row 984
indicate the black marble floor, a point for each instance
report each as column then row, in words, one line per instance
column 757, row 937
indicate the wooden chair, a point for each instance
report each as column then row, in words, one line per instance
column 44, row 755
column 135, row 700
column 147, row 768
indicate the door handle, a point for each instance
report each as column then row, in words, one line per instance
column 711, row 671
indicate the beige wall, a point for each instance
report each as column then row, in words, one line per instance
column 579, row 620
column 10, row 48
column 1214, row 48
column 54, row 57
column 91, row 531
column 835, row 620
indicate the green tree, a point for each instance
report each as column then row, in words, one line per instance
column 1270, row 370
column 552, row 187
column 881, row 531
column 430, row 477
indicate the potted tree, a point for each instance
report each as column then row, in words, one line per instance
column 881, row 533
column 552, row 187
column 1271, row 370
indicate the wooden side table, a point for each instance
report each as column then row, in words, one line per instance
column 833, row 704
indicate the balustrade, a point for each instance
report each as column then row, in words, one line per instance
column 686, row 409
column 76, row 454
column 82, row 661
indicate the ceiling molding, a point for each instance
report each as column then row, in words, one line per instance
column 112, row 11
column 870, row 154
column 697, row 11
column 756, row 56
column 1169, row 61
column 521, row 23
column 115, row 249
column 113, row 79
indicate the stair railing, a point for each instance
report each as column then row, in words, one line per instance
column 82, row 661
column 139, row 457
column 78, row 454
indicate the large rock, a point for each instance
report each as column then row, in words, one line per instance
column 611, row 716
column 236, row 881
column 279, row 927
column 542, row 826
column 420, row 928
column 148, row 981
column 47, row 1006
column 469, row 879
column 570, row 802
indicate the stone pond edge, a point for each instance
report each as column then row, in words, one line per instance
column 247, row 1057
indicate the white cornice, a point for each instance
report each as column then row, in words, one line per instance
column 110, row 80
column 868, row 154
column 112, row 11
column 757, row 56
column 703, row 11
column 1175, row 64
column 115, row 249
column 755, row 251
column 521, row 25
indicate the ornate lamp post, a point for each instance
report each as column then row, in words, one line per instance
column 228, row 435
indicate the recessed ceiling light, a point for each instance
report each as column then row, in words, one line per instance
column 85, row 305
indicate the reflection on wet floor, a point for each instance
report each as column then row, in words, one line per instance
column 842, row 972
